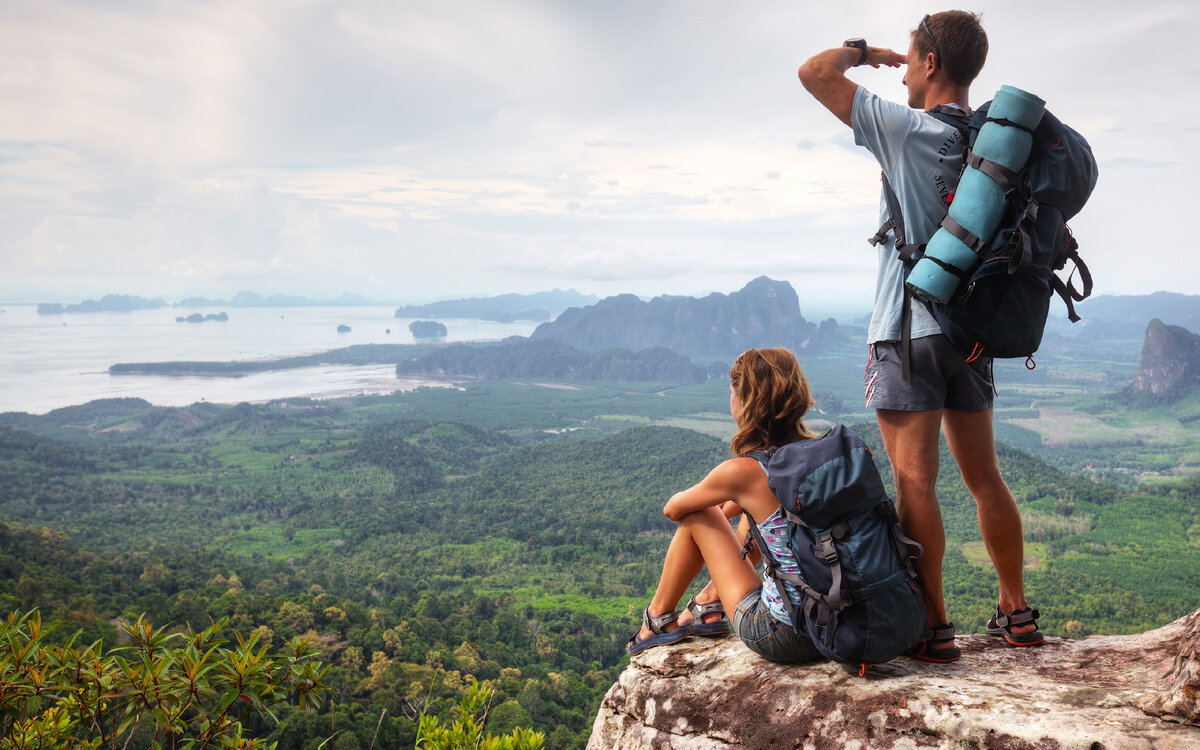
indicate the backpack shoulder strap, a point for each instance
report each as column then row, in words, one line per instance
column 761, row 456
column 909, row 253
column 895, row 224
column 952, row 116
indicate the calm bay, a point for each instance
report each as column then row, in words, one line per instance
column 52, row 361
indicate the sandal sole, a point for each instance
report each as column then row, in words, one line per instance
column 1018, row 639
column 659, row 639
column 712, row 629
column 1009, row 640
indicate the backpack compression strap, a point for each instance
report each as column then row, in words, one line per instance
column 1067, row 289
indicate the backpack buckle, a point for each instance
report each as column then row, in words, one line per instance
column 827, row 551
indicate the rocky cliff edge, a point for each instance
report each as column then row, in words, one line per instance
column 1099, row 693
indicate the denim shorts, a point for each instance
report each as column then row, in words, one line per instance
column 940, row 377
column 768, row 637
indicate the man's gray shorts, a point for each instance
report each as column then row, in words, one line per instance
column 941, row 378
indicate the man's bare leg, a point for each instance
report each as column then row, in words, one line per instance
column 911, row 441
column 969, row 435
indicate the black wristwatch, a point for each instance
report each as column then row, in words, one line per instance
column 861, row 45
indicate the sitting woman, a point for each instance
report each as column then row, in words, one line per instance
column 768, row 397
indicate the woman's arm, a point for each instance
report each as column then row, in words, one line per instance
column 726, row 483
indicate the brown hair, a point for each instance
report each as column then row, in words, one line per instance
column 774, row 395
column 958, row 41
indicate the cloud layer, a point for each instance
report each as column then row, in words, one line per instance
column 422, row 149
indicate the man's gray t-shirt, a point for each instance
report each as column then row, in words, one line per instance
column 922, row 157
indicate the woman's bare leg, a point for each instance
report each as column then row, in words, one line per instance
column 709, row 592
column 703, row 538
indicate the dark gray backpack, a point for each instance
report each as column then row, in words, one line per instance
column 861, row 599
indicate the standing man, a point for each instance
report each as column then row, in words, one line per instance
column 921, row 157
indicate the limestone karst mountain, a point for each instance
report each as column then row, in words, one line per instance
column 1170, row 366
column 763, row 313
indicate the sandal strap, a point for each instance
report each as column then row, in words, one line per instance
column 656, row 623
column 938, row 633
column 700, row 611
column 1019, row 617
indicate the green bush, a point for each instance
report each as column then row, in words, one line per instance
column 161, row 690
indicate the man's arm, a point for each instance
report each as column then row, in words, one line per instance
column 824, row 75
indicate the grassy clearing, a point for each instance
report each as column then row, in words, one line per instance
column 718, row 428
column 272, row 541
column 603, row 607
column 237, row 456
column 976, row 554
column 1064, row 427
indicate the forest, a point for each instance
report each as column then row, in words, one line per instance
column 498, row 533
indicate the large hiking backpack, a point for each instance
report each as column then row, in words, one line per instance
column 1001, row 309
column 861, row 599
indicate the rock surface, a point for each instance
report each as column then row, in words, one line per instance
column 1100, row 693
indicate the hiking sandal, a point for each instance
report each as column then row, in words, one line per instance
column 700, row 611
column 660, row 637
column 927, row 648
column 1002, row 625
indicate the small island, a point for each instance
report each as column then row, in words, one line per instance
column 343, row 328
column 198, row 318
column 427, row 329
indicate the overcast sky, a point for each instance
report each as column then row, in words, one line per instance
column 410, row 150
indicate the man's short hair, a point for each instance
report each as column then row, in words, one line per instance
column 957, row 39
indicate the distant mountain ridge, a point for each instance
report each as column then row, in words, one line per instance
column 252, row 299
column 763, row 313
column 503, row 308
column 1125, row 316
column 107, row 303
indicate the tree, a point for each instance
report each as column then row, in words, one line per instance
column 468, row 732
column 161, row 690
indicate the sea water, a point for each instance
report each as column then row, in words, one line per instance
column 51, row 361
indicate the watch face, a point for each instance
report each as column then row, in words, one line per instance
column 860, row 44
